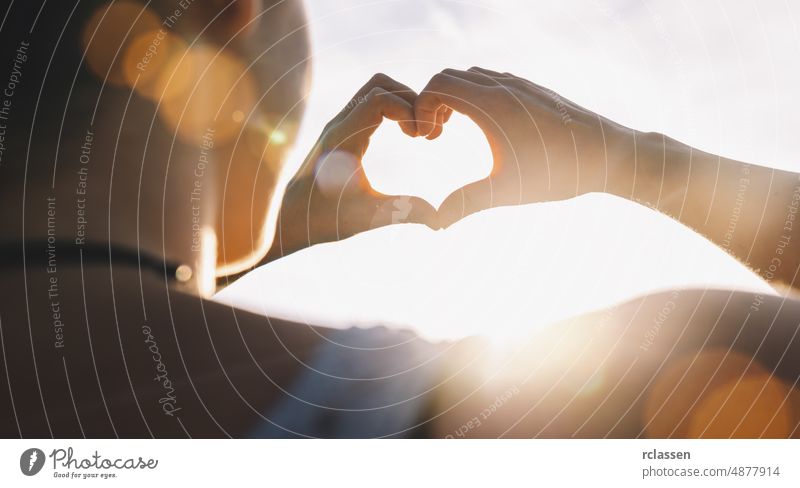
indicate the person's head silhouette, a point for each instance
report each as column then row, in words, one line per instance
column 160, row 126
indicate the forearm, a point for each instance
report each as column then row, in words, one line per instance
column 747, row 210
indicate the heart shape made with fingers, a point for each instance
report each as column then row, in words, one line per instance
column 373, row 180
column 504, row 150
column 396, row 164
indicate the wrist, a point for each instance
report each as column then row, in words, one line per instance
column 651, row 169
column 291, row 226
column 623, row 161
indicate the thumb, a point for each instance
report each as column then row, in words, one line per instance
column 467, row 200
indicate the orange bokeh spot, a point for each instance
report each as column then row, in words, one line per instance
column 108, row 32
column 150, row 64
column 219, row 87
column 681, row 390
column 749, row 408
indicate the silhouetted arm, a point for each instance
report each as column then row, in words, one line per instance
column 748, row 210
column 546, row 147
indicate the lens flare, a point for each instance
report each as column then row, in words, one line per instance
column 150, row 62
column 748, row 408
column 107, row 35
column 718, row 394
column 220, row 87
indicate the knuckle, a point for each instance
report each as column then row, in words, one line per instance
column 329, row 139
column 329, row 126
column 440, row 79
column 533, row 86
column 373, row 93
column 379, row 78
column 499, row 90
column 502, row 94
column 514, row 77
column 520, row 84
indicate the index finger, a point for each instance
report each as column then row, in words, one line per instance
column 447, row 90
column 384, row 82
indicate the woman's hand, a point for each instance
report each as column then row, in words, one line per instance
column 544, row 147
column 548, row 148
column 330, row 198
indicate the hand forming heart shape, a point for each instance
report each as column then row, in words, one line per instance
column 544, row 148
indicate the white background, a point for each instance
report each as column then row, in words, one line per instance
column 404, row 463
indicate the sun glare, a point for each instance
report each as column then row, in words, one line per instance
column 501, row 273
column 507, row 271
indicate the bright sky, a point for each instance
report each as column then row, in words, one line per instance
column 721, row 77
